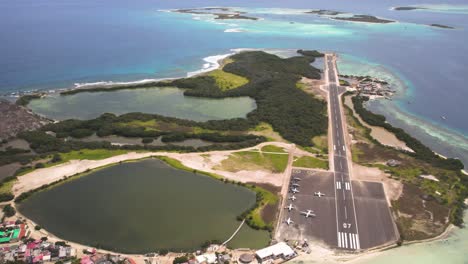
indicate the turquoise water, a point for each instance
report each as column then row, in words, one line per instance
column 452, row 250
column 164, row 101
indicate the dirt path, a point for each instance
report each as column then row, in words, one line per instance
column 203, row 161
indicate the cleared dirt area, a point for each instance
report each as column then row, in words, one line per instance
column 313, row 87
column 393, row 188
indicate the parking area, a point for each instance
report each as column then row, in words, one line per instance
column 321, row 227
column 375, row 222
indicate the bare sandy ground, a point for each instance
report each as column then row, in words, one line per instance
column 314, row 87
column 43, row 176
column 203, row 161
column 379, row 133
column 393, row 188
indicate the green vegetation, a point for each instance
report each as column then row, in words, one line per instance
column 6, row 186
column 273, row 148
column 255, row 160
column 272, row 83
column 310, row 53
column 420, row 151
column 25, row 99
column 449, row 192
column 227, row 81
column 344, row 82
column 91, row 154
column 321, row 142
column 310, row 162
column 9, row 210
column 300, row 85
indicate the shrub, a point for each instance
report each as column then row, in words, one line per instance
column 9, row 210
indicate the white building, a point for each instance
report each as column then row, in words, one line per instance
column 206, row 258
column 280, row 250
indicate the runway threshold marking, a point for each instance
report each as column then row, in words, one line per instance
column 347, row 186
column 348, row 240
column 338, row 185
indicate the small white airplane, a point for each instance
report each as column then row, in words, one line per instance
column 319, row 194
column 289, row 207
column 293, row 198
column 289, row 221
column 295, row 184
column 294, row 190
column 308, row 213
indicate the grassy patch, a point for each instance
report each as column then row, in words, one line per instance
column 321, row 142
column 249, row 160
column 6, row 186
column 344, row 83
column 227, row 81
column 310, row 162
column 300, row 85
column 273, row 148
column 266, row 130
column 91, row 154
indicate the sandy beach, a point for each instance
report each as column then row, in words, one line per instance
column 378, row 133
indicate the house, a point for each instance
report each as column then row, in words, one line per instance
column 279, row 250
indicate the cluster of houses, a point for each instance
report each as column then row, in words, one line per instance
column 97, row 258
column 371, row 86
column 37, row 251
column 276, row 253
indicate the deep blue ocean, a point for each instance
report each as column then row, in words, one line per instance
column 55, row 44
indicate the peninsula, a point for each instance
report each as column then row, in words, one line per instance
column 304, row 169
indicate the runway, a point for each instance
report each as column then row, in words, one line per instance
column 350, row 215
column 346, row 221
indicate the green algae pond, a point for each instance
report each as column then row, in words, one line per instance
column 163, row 101
column 143, row 206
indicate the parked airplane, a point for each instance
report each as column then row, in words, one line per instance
column 289, row 207
column 308, row 213
column 319, row 194
column 293, row 198
column 289, row 221
column 295, row 184
column 294, row 190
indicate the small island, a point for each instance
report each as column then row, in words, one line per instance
column 441, row 26
column 218, row 12
column 365, row 19
column 324, row 12
column 407, row 8
column 338, row 15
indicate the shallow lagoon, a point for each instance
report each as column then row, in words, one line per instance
column 163, row 101
column 143, row 206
